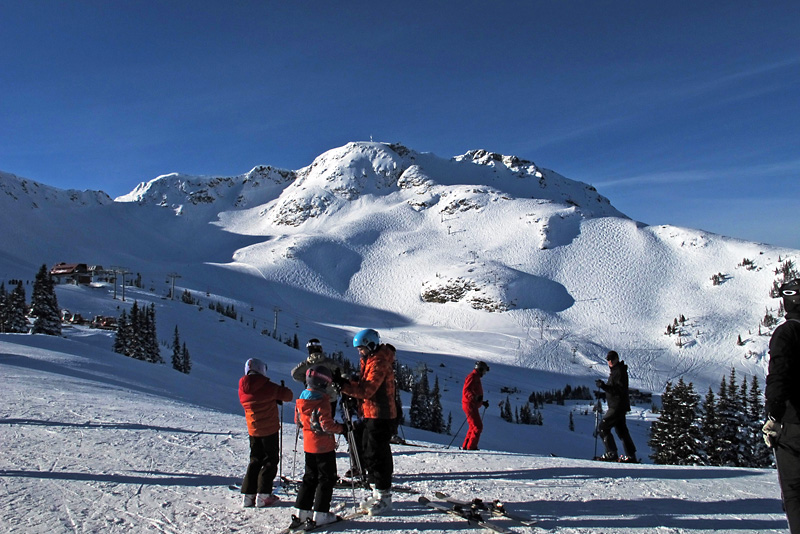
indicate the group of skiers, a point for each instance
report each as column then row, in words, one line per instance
column 374, row 388
column 371, row 433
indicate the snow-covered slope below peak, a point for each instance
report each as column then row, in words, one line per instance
column 36, row 195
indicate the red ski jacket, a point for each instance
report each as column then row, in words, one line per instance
column 472, row 395
column 259, row 397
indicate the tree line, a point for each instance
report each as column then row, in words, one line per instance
column 722, row 430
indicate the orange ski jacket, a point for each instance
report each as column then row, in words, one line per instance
column 259, row 397
column 376, row 384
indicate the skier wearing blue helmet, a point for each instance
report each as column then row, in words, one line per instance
column 375, row 387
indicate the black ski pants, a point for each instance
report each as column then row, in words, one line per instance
column 787, row 456
column 316, row 491
column 615, row 418
column 263, row 466
column 377, row 446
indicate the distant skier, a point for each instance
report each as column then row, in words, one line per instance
column 471, row 402
column 782, row 429
column 314, row 415
column 376, row 389
column 619, row 404
column 259, row 398
column 317, row 357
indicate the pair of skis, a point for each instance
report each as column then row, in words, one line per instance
column 473, row 511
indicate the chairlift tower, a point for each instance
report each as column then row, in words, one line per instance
column 172, row 276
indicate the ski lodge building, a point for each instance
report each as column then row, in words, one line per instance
column 78, row 273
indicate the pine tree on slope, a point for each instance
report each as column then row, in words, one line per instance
column 186, row 361
column 662, row 430
column 435, row 408
column 44, row 305
column 177, row 357
column 710, row 426
column 17, row 308
column 687, row 439
column 761, row 454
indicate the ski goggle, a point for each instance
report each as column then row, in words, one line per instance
column 789, row 292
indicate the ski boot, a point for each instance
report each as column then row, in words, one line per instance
column 323, row 518
column 382, row 504
column 610, row 456
column 301, row 519
column 248, row 500
column 266, row 499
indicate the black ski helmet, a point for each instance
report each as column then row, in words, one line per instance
column 790, row 291
column 318, row 377
column 314, row 346
column 482, row 367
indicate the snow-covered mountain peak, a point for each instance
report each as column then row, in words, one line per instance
column 37, row 195
column 220, row 193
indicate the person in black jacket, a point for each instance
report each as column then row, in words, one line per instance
column 619, row 404
column 782, row 429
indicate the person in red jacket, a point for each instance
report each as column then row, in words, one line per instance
column 471, row 402
column 313, row 414
column 260, row 398
column 376, row 389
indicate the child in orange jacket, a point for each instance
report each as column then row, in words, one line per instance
column 260, row 398
column 314, row 415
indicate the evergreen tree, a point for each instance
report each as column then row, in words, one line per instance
column 186, row 361
column 17, row 309
column 136, row 341
column 571, row 423
column 150, row 336
column 4, row 307
column 687, row 438
column 435, row 408
column 710, row 427
column 761, row 455
column 663, row 429
column 44, row 305
column 177, row 356
column 418, row 413
column 505, row 411
column 728, row 432
column 121, row 337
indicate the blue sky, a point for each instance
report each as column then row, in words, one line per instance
column 680, row 112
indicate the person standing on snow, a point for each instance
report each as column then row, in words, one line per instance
column 471, row 402
column 314, row 416
column 375, row 387
column 317, row 357
column 782, row 429
column 260, row 398
column 619, row 404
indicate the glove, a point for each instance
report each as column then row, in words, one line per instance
column 338, row 380
column 485, row 404
column 771, row 431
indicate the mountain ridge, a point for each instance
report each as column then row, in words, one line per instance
column 481, row 255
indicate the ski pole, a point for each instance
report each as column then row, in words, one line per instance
column 280, row 458
column 456, row 434
column 294, row 455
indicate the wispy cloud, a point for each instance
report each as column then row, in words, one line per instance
column 770, row 170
